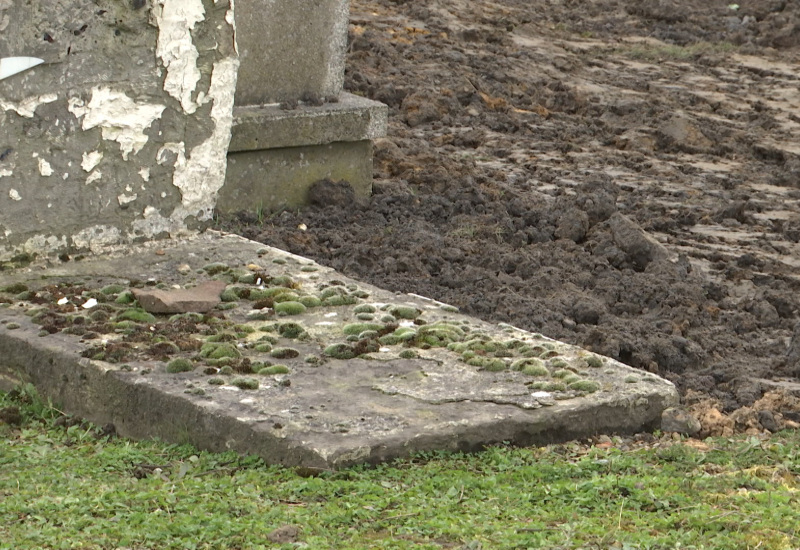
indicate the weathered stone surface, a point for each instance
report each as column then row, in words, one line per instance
column 640, row 247
column 199, row 299
column 121, row 134
column 680, row 421
column 300, row 44
column 330, row 409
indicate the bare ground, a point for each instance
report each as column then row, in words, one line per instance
column 618, row 174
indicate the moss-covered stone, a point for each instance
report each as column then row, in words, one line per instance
column 218, row 350
column 137, row 315
column 215, row 268
column 245, row 383
column 284, row 353
column 274, row 369
column 405, row 312
column 340, row 351
column 588, row 386
column 358, row 328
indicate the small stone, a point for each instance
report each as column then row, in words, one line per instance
column 200, row 299
column 679, row 421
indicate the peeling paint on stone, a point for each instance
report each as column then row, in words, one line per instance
column 125, row 199
column 203, row 173
column 97, row 237
column 27, row 107
column 44, row 168
column 14, row 194
column 5, row 172
column 119, row 117
column 145, row 174
column 175, row 20
column 91, row 160
column 94, row 176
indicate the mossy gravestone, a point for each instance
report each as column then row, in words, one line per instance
column 121, row 134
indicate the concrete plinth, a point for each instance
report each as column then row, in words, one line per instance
column 276, row 154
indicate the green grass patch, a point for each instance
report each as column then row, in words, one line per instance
column 72, row 487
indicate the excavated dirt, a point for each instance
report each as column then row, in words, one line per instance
column 620, row 175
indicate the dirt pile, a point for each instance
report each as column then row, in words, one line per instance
column 619, row 175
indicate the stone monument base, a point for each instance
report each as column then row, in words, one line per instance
column 276, row 153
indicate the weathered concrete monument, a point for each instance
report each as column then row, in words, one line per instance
column 123, row 133
column 292, row 123
column 123, row 136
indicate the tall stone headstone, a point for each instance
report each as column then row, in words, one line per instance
column 121, row 134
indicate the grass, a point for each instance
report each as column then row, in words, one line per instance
column 68, row 487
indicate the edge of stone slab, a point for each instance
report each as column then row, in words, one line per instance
column 352, row 118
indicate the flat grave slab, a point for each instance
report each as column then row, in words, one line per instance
column 296, row 363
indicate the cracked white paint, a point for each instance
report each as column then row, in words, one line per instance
column 27, row 107
column 175, row 20
column 5, row 172
column 145, row 174
column 119, row 117
column 97, row 237
column 125, row 199
column 91, row 160
column 44, row 168
column 203, row 173
column 94, row 176
column 14, row 194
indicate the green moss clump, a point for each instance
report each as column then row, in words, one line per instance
column 594, row 361
column 179, row 365
column 222, row 337
column 214, row 350
column 340, row 351
column 339, row 300
column 279, row 261
column 631, row 379
column 570, row 378
column 245, row 383
column 263, row 347
column 229, row 295
column 284, row 353
column 557, row 363
column 312, row 360
column 588, row 386
column 215, row 268
column 221, row 362
column 555, row 386
column 112, row 289
column 291, row 330
column 227, row 305
column 388, row 340
column 358, row 328
column 274, row 369
column 286, row 296
column 244, row 329
column 365, row 316
column 269, row 338
column 283, row 280
column 534, row 369
column 125, row 326
column 409, row 354
column 227, row 370
column 364, row 308
column 216, row 381
column 137, row 315
column 190, row 317
column 12, row 326
column 388, row 319
column 14, row 288
column 439, row 334
column 310, row 301
column 494, row 365
column 562, row 373
column 405, row 312
column 309, row 269
column 289, row 308
column 448, row 308
column 25, row 295
column 532, row 362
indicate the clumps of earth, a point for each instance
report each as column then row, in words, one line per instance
column 268, row 323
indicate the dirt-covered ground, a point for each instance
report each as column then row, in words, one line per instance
column 618, row 174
